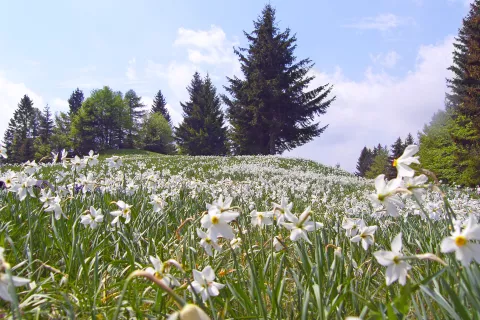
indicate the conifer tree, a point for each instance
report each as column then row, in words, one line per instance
column 364, row 162
column 202, row 130
column 380, row 163
column 134, row 105
column 160, row 105
column 271, row 110
column 75, row 101
column 408, row 141
column 46, row 125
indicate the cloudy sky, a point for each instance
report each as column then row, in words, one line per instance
column 387, row 59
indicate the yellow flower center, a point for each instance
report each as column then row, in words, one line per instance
column 460, row 241
column 215, row 220
column 396, row 260
column 125, row 212
column 395, row 162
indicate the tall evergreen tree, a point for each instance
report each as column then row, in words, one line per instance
column 46, row 125
column 75, row 101
column 408, row 141
column 364, row 162
column 379, row 165
column 202, row 130
column 160, row 105
column 271, row 110
column 20, row 132
column 136, row 113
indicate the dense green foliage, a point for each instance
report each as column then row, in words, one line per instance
column 156, row 134
column 380, row 162
column 272, row 110
column 364, row 162
column 202, row 131
column 160, row 105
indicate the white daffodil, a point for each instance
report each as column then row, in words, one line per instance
column 5, row 284
column 352, row 226
column 236, row 243
column 160, row 271
column 204, row 285
column 277, row 243
column 386, row 194
column 87, row 182
column 406, row 159
column 78, row 163
column 92, row 218
column 9, row 179
column 207, row 243
column 30, row 167
column 261, row 218
column 91, row 159
column 416, row 185
column 396, row 268
column 54, row 157
column 23, row 186
column 279, row 210
column 217, row 223
column 158, row 203
column 55, row 207
column 124, row 212
column 63, row 157
column 115, row 162
column 461, row 242
column 366, row 236
column 131, row 188
column 189, row 312
column 300, row 226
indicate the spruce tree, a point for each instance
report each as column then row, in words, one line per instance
column 135, row 106
column 364, row 162
column 75, row 102
column 271, row 110
column 408, row 141
column 46, row 125
column 202, row 130
column 160, row 105
column 379, row 165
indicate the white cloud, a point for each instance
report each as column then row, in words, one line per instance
column 206, row 46
column 388, row 60
column 379, row 108
column 131, row 72
column 381, row 22
column 59, row 105
column 10, row 95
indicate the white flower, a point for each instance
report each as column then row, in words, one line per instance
column 261, row 218
column 300, row 226
column 366, row 236
column 279, row 210
column 189, row 312
column 406, row 159
column 124, row 212
column 87, row 182
column 78, row 163
column 115, row 162
column 157, row 202
column 220, row 205
column 159, row 271
column 5, row 283
column 24, row 185
column 91, row 159
column 386, row 194
column 54, row 157
column 217, row 223
column 9, row 179
column 131, row 188
column 236, row 243
column 352, row 226
column 396, row 268
column 204, row 285
column 51, row 203
column 30, row 167
column 416, row 185
column 461, row 242
column 277, row 243
column 93, row 218
column 207, row 243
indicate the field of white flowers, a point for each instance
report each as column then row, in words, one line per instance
column 149, row 236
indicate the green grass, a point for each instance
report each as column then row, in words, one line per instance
column 81, row 273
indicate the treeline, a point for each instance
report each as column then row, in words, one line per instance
column 269, row 110
column 450, row 143
column 379, row 159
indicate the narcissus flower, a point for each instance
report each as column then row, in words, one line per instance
column 301, row 225
column 365, row 235
column 207, row 243
column 279, row 210
column 396, row 267
column 3, row 152
column 204, row 285
column 461, row 242
column 217, row 223
column 352, row 226
column 123, row 212
column 406, row 159
column 92, row 218
column 261, row 218
column 386, row 194
column 160, row 268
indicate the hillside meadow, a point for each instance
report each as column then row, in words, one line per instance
column 140, row 235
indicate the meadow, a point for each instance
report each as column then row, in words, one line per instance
column 248, row 237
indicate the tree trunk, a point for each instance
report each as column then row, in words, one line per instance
column 271, row 144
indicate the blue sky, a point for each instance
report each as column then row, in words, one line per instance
column 387, row 59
